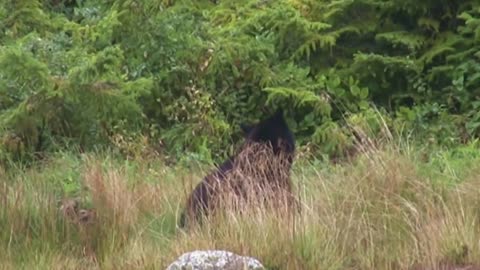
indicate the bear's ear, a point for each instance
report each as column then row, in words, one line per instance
column 246, row 128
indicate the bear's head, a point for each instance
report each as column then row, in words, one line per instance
column 273, row 131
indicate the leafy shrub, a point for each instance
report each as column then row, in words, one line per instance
column 186, row 73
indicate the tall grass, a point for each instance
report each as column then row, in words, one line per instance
column 388, row 209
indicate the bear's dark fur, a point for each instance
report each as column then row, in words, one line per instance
column 272, row 132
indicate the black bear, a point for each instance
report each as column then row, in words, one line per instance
column 270, row 139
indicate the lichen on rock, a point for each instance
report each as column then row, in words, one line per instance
column 214, row 260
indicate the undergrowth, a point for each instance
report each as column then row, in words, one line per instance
column 395, row 207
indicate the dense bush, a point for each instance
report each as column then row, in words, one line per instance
column 184, row 74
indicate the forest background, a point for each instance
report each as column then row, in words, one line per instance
column 181, row 76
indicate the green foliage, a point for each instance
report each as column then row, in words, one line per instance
column 185, row 74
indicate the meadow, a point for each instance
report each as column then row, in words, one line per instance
column 395, row 206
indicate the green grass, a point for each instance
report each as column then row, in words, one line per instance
column 394, row 208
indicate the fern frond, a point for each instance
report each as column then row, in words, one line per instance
column 411, row 41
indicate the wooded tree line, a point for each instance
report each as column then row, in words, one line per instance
column 181, row 76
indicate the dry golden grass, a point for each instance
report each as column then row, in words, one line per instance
column 386, row 210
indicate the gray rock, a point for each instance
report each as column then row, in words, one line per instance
column 214, row 260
